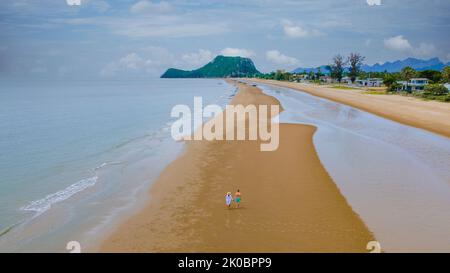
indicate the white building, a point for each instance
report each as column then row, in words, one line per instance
column 414, row 84
column 369, row 82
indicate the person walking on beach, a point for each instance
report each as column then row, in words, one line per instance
column 228, row 199
column 237, row 198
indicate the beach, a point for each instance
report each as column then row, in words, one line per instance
column 428, row 115
column 289, row 201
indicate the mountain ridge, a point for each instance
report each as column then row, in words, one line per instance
column 391, row 66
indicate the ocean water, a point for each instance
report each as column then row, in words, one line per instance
column 76, row 156
column 396, row 177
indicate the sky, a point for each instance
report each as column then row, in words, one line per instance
column 131, row 39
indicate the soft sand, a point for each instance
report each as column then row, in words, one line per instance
column 289, row 202
column 430, row 115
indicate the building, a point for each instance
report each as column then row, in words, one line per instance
column 326, row 79
column 414, row 84
column 369, row 82
column 347, row 80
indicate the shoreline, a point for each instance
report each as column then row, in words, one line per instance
column 428, row 115
column 290, row 203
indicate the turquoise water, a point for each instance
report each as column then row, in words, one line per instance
column 77, row 155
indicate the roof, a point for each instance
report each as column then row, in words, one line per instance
column 374, row 79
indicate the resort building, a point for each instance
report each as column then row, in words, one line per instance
column 369, row 82
column 414, row 84
column 327, row 79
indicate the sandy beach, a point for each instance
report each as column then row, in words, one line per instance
column 428, row 115
column 289, row 202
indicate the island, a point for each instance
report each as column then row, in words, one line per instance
column 220, row 67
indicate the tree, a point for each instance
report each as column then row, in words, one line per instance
column 318, row 73
column 355, row 60
column 408, row 73
column 446, row 74
column 278, row 75
column 337, row 68
column 281, row 75
column 435, row 90
column 389, row 80
column 394, row 87
column 433, row 75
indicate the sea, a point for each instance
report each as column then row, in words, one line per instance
column 76, row 157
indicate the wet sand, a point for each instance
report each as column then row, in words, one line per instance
column 289, row 202
column 428, row 115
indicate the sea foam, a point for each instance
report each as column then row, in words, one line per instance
column 44, row 204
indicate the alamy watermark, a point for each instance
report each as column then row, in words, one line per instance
column 237, row 122
column 73, row 2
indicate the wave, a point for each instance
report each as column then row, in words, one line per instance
column 44, row 204
column 104, row 164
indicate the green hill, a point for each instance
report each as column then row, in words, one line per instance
column 220, row 67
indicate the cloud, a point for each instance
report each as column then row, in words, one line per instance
column 200, row 57
column 146, row 27
column 156, row 59
column 424, row 50
column 229, row 51
column 150, row 7
column 131, row 61
column 173, row 31
column 276, row 57
column 401, row 44
column 397, row 43
column 447, row 57
column 374, row 2
column 292, row 30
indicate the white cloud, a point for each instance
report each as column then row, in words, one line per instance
column 109, row 70
column 157, row 59
column 153, row 26
column 447, row 57
column 150, row 7
column 200, row 57
column 293, row 30
column 277, row 57
column 174, row 31
column 229, row 51
column 424, row 50
column 401, row 44
column 373, row 2
column 397, row 43
column 131, row 61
